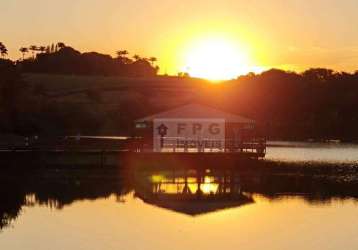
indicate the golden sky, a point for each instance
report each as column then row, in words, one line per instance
column 288, row 34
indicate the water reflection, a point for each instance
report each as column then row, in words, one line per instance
column 312, row 152
column 56, row 189
column 190, row 191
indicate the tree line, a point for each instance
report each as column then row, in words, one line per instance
column 62, row 59
column 318, row 104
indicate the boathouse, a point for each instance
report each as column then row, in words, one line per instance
column 198, row 128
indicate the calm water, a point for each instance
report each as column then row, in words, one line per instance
column 108, row 224
column 313, row 152
column 185, row 209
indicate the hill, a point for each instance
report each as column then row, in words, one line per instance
column 317, row 104
column 114, row 101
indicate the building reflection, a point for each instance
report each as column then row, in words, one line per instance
column 192, row 191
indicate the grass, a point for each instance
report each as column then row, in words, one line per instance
column 110, row 93
column 112, row 103
column 66, row 82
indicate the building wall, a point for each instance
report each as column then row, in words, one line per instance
column 235, row 134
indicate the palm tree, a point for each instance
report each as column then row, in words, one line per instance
column 42, row 49
column 33, row 48
column 136, row 57
column 122, row 56
column 24, row 50
column 122, row 53
column 152, row 60
column 3, row 50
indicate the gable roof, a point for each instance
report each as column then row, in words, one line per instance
column 198, row 207
column 196, row 111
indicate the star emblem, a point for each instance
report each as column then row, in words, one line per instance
column 162, row 130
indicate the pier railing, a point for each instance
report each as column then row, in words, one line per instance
column 171, row 145
column 256, row 146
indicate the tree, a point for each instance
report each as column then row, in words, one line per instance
column 136, row 57
column 125, row 60
column 3, row 50
column 319, row 74
column 42, row 49
column 122, row 53
column 152, row 60
column 60, row 45
column 33, row 48
column 122, row 57
column 24, row 51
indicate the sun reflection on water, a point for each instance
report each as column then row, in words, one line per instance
column 163, row 184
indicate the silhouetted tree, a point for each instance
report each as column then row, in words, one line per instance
column 319, row 74
column 42, row 49
column 137, row 57
column 60, row 45
column 24, row 51
column 122, row 53
column 3, row 50
column 122, row 57
column 152, row 60
column 34, row 49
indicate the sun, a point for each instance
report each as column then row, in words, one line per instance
column 216, row 59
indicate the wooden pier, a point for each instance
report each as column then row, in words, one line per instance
column 115, row 151
column 185, row 134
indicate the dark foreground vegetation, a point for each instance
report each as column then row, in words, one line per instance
column 60, row 91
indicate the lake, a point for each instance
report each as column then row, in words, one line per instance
column 312, row 152
column 182, row 209
column 289, row 223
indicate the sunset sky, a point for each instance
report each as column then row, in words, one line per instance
column 288, row 34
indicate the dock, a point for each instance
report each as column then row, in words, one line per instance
column 190, row 133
